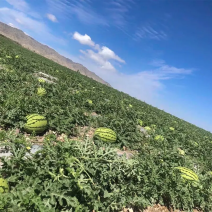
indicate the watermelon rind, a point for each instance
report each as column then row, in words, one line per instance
column 32, row 115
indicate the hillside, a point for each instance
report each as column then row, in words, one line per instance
column 31, row 44
column 52, row 125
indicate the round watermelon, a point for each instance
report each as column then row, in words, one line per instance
column 105, row 134
column 41, row 91
column 4, row 187
column 36, row 123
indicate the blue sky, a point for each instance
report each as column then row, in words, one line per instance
column 158, row 51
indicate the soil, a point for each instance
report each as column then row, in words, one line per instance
column 157, row 208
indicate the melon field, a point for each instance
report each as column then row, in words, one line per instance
column 99, row 149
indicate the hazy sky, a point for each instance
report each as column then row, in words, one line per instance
column 159, row 51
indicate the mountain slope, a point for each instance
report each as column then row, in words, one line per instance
column 33, row 45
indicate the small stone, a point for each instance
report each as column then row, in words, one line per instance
column 142, row 129
column 4, row 153
column 35, row 148
column 17, row 131
column 129, row 154
column 95, row 115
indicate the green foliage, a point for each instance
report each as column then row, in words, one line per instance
column 81, row 176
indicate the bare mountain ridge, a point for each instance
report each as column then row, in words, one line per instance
column 28, row 42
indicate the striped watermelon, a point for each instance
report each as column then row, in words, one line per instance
column 187, row 174
column 36, row 123
column 4, row 187
column 41, row 91
column 105, row 134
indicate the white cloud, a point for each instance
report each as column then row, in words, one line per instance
column 23, row 6
column 108, row 66
column 109, row 54
column 12, row 25
column 114, row 12
column 173, row 70
column 157, row 63
column 104, row 64
column 119, row 12
column 30, row 25
column 83, row 39
column 26, row 33
column 19, row 21
column 148, row 31
column 103, row 54
column 81, row 9
column 19, row 4
column 51, row 17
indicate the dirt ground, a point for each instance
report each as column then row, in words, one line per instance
column 157, row 208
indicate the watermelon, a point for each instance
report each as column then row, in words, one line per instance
column 187, row 174
column 159, row 138
column 153, row 126
column 41, row 80
column 140, row 122
column 181, row 152
column 4, row 187
column 89, row 102
column 41, row 91
column 105, row 134
column 147, row 128
column 196, row 144
column 36, row 123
